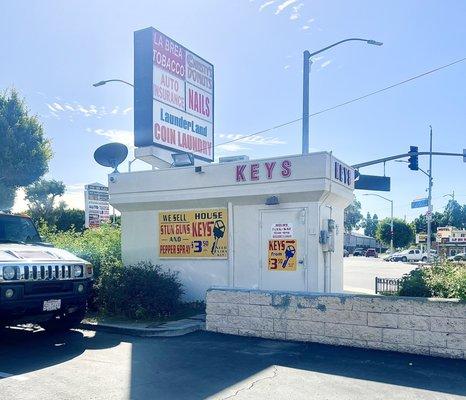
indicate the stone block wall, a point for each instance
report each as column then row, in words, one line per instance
column 435, row 327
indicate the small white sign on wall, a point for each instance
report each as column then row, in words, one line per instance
column 282, row 231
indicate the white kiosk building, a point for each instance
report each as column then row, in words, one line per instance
column 281, row 222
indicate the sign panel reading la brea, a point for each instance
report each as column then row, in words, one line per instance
column 181, row 110
column 200, row 233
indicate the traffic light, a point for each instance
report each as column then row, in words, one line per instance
column 413, row 158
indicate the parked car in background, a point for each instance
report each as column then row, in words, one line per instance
column 410, row 255
column 359, row 251
column 457, row 257
column 371, row 253
column 345, row 253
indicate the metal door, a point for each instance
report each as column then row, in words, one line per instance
column 283, row 249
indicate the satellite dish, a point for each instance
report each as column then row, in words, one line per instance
column 111, row 155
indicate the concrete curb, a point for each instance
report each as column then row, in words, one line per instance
column 168, row 329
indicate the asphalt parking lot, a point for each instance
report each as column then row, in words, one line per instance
column 359, row 272
column 87, row 365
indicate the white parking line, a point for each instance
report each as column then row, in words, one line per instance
column 15, row 377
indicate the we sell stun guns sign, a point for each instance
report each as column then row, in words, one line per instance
column 173, row 96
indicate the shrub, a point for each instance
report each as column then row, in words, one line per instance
column 139, row 291
column 97, row 245
column 445, row 280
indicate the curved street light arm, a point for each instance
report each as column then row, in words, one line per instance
column 101, row 83
column 368, row 41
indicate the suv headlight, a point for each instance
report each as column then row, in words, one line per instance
column 78, row 271
column 89, row 270
column 9, row 273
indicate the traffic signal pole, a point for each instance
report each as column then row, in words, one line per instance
column 429, row 201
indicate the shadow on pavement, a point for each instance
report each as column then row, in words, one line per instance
column 203, row 364
column 27, row 350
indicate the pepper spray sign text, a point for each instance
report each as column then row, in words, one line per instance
column 201, row 233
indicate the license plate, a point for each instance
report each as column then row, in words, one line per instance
column 52, row 305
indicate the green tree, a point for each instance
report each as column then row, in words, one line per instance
column 370, row 224
column 403, row 233
column 66, row 219
column 41, row 197
column 24, row 150
column 352, row 216
column 454, row 215
column 420, row 223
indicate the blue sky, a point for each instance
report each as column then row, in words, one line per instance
column 52, row 51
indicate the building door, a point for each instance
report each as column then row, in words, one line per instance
column 283, row 249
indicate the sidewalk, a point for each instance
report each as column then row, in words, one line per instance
column 146, row 329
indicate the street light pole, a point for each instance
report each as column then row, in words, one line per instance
column 391, row 217
column 429, row 201
column 307, row 62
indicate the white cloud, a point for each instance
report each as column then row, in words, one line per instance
column 311, row 20
column 58, row 107
column 305, row 27
column 266, row 4
column 87, row 111
column 115, row 135
column 284, row 5
column 287, row 66
column 295, row 13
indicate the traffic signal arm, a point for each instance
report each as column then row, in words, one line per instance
column 398, row 156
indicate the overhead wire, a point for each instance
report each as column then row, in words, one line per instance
column 431, row 71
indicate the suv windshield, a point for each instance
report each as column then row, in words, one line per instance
column 16, row 229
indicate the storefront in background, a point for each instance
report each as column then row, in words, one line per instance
column 451, row 241
column 272, row 224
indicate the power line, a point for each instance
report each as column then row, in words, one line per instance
column 347, row 102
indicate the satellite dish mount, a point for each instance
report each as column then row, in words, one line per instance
column 111, row 155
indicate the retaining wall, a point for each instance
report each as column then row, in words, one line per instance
column 435, row 327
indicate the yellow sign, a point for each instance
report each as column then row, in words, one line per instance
column 282, row 254
column 193, row 233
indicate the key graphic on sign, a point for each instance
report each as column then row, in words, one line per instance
column 219, row 231
column 289, row 253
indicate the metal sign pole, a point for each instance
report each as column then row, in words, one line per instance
column 429, row 201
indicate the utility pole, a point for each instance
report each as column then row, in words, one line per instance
column 429, row 201
column 306, row 70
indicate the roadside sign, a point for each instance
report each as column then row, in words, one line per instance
column 372, row 182
column 96, row 205
column 419, row 203
column 173, row 96
column 421, row 238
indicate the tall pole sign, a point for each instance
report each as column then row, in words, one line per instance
column 173, row 96
column 96, row 205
